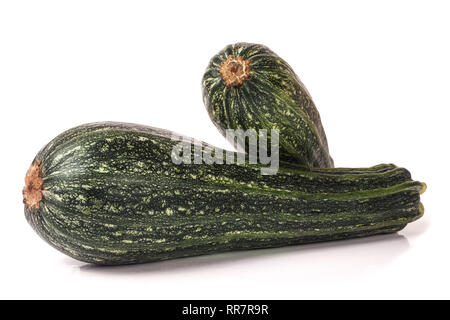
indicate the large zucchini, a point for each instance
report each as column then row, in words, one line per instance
column 247, row 86
column 109, row 193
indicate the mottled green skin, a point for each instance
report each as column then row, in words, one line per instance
column 272, row 98
column 111, row 195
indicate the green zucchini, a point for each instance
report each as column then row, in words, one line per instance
column 247, row 86
column 110, row 194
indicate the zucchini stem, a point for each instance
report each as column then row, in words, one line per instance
column 32, row 192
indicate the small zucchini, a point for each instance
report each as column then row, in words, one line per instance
column 247, row 86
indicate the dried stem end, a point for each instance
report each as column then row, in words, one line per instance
column 32, row 192
column 234, row 71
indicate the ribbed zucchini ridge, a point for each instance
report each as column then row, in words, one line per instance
column 112, row 195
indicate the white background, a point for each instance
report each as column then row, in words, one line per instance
column 378, row 71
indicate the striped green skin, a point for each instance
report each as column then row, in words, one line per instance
column 272, row 98
column 111, row 196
